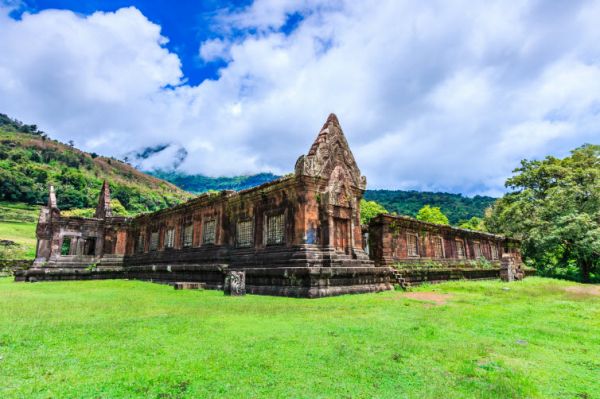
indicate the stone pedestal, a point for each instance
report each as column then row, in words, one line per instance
column 235, row 283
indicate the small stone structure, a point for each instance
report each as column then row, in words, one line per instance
column 511, row 267
column 235, row 283
column 299, row 236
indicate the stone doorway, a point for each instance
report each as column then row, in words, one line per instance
column 341, row 239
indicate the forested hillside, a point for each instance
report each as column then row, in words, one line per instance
column 30, row 161
column 455, row 206
column 200, row 184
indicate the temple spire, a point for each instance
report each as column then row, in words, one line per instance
column 52, row 198
column 329, row 151
column 331, row 119
column 104, row 210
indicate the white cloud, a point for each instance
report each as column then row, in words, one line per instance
column 214, row 49
column 445, row 95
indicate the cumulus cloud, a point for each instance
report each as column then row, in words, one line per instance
column 214, row 49
column 441, row 95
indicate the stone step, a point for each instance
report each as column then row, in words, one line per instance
column 399, row 279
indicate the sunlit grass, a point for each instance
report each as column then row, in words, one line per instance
column 91, row 339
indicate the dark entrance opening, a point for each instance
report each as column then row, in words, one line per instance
column 89, row 247
column 65, row 248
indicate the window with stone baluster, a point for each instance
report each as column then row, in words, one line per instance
column 154, row 241
column 140, row 243
column 438, row 247
column 412, row 244
column 477, row 250
column 209, row 232
column 275, row 229
column 460, row 249
column 244, row 233
column 188, row 235
column 494, row 251
column 170, row 238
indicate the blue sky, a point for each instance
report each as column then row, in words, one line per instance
column 186, row 23
column 439, row 95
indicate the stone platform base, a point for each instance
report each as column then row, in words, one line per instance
column 420, row 276
column 306, row 282
column 66, row 274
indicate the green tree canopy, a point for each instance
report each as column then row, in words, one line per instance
column 432, row 214
column 555, row 209
column 370, row 209
column 474, row 223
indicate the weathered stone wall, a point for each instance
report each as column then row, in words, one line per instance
column 397, row 240
column 419, row 276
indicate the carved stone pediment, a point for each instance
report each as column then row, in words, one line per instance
column 329, row 152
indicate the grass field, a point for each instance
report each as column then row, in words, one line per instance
column 21, row 233
column 104, row 339
column 17, row 224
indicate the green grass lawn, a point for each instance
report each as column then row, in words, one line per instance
column 17, row 224
column 106, row 339
column 21, row 233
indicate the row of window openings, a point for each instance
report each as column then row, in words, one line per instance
column 275, row 234
column 438, row 248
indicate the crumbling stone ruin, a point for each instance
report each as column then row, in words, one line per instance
column 431, row 252
column 297, row 236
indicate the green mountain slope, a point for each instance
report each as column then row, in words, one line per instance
column 456, row 206
column 30, row 161
column 199, row 184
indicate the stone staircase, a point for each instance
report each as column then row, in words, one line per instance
column 401, row 281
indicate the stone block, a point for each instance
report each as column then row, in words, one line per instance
column 235, row 283
column 186, row 285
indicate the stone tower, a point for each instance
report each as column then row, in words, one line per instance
column 104, row 210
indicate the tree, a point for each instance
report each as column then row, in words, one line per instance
column 370, row 209
column 555, row 209
column 117, row 208
column 474, row 223
column 432, row 215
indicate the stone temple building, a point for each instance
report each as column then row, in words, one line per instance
column 299, row 235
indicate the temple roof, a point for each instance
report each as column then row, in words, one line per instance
column 330, row 150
